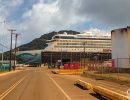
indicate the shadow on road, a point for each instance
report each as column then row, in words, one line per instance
column 98, row 96
column 79, row 86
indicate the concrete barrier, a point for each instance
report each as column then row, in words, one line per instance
column 55, row 71
column 71, row 71
column 109, row 93
column 84, row 84
column 68, row 71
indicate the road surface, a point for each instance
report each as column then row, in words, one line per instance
column 41, row 84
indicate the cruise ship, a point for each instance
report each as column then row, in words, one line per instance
column 84, row 42
column 84, row 48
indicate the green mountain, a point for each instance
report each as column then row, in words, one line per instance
column 41, row 43
column 38, row 43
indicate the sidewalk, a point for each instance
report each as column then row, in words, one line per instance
column 11, row 72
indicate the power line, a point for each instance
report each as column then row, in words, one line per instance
column 3, row 46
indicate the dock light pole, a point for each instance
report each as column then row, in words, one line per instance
column 84, row 54
column 61, row 56
column 61, row 49
column 12, row 32
column 51, row 58
column 80, row 59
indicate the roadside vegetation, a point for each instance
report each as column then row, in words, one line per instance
column 120, row 78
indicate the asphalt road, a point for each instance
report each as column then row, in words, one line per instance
column 41, row 84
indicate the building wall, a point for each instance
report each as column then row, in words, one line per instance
column 53, row 57
column 29, row 57
column 128, row 30
column 120, row 47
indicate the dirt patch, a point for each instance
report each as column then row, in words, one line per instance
column 106, row 77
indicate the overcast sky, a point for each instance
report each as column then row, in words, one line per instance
column 32, row 18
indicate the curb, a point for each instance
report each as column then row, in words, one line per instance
column 11, row 72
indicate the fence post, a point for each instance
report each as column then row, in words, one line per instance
column 117, row 70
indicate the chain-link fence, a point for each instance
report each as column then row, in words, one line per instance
column 114, row 69
column 4, row 67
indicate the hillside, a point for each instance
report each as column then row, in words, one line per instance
column 41, row 43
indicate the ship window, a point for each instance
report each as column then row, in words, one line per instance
column 56, row 37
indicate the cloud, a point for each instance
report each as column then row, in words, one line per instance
column 96, row 31
column 63, row 14
column 7, row 6
column 44, row 16
column 113, row 13
column 47, row 17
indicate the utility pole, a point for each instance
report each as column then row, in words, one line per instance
column 11, row 31
column 84, row 55
column 16, row 36
column 2, row 46
column 61, row 49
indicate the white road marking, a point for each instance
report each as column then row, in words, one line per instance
column 67, row 96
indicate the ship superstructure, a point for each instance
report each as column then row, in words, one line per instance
column 84, row 42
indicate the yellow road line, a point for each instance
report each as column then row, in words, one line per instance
column 4, row 94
